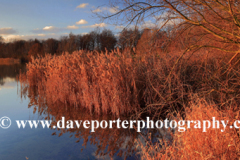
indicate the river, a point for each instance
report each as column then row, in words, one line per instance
column 19, row 103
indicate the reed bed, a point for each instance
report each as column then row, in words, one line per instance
column 196, row 144
column 99, row 82
column 121, row 83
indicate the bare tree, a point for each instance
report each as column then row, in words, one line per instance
column 151, row 40
column 128, row 38
column 85, row 42
column 51, row 46
column 107, row 40
column 63, row 44
column 1, row 46
column 1, row 39
column 210, row 23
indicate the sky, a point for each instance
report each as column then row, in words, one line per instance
column 42, row 19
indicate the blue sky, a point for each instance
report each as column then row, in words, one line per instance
column 25, row 19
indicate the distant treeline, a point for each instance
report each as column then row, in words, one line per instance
column 95, row 40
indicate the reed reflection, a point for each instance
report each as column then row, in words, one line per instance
column 109, row 142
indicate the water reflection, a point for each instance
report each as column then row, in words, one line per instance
column 108, row 143
column 8, row 73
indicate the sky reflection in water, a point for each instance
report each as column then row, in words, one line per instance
column 40, row 143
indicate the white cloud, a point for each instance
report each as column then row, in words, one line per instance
column 9, row 38
column 47, row 28
column 148, row 24
column 82, row 21
column 119, row 27
column 7, row 31
column 84, row 33
column 161, row 19
column 97, row 10
column 96, row 25
column 53, row 30
column 12, row 37
column 99, row 25
column 113, row 9
column 72, row 27
column 109, row 9
column 41, row 35
column 83, row 5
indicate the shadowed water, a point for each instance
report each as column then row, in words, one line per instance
column 19, row 101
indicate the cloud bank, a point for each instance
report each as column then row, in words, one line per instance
column 7, row 31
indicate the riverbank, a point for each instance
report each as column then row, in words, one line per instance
column 197, row 87
column 9, row 61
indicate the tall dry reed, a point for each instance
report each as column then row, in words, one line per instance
column 99, row 82
column 120, row 83
column 196, row 144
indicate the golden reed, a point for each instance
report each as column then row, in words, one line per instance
column 120, row 83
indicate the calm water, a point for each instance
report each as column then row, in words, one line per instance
column 20, row 104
